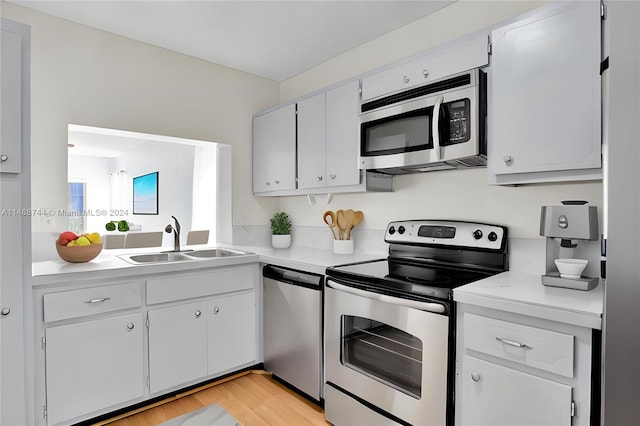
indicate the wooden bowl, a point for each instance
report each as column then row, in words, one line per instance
column 79, row 254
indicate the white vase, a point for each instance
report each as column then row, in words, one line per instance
column 280, row 241
column 343, row 246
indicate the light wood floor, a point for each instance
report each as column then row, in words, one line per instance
column 253, row 398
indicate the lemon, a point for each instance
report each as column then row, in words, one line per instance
column 95, row 238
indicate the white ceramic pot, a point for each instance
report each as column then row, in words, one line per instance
column 280, row 241
column 343, row 246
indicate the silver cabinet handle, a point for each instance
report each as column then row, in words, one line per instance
column 425, row 73
column 130, row 326
column 319, row 178
column 507, row 159
column 197, row 313
column 3, row 158
column 99, row 300
column 406, row 79
column 216, row 310
column 277, row 182
column 475, row 376
column 5, row 311
column 513, row 343
column 332, row 176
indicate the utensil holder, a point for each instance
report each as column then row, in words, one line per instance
column 343, row 246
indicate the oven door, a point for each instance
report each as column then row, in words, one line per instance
column 387, row 354
column 427, row 130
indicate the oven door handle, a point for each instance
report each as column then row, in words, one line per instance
column 434, row 307
column 435, row 128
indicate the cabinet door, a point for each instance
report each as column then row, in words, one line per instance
column 545, row 92
column 177, row 345
column 312, row 154
column 232, row 332
column 93, row 365
column 12, row 410
column 343, row 135
column 274, row 150
column 493, row 395
column 11, row 102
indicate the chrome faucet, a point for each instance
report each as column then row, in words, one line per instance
column 176, row 234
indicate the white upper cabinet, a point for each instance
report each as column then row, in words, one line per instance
column 328, row 138
column 312, row 133
column 274, row 150
column 343, row 135
column 11, row 101
column 545, row 96
column 452, row 58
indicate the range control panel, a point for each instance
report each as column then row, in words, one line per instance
column 447, row 233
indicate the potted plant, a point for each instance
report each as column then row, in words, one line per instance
column 280, row 230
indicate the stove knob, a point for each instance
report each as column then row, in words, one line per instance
column 477, row 234
column 492, row 236
column 392, row 230
column 401, row 229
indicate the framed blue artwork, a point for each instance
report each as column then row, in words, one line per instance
column 145, row 194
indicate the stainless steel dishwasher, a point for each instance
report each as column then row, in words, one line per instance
column 293, row 328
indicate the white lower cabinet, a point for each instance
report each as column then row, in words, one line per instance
column 92, row 365
column 193, row 341
column 177, row 345
column 232, row 332
column 103, row 347
column 495, row 395
column 519, row 370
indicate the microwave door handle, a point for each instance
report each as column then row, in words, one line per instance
column 435, row 126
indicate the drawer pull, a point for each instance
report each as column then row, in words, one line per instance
column 5, row 311
column 100, row 300
column 475, row 376
column 130, row 326
column 512, row 343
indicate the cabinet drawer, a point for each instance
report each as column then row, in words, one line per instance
column 88, row 301
column 536, row 347
column 188, row 286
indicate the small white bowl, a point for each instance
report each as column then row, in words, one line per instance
column 571, row 268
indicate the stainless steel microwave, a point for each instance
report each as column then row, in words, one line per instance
column 438, row 126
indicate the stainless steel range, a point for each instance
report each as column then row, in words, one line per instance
column 390, row 323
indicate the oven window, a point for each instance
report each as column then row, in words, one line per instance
column 382, row 352
column 401, row 133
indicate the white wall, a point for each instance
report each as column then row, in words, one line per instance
column 174, row 162
column 84, row 76
column 455, row 194
column 94, row 172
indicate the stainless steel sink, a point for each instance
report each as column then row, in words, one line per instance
column 157, row 257
column 184, row 256
column 216, row 252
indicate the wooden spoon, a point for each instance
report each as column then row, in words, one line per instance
column 341, row 220
column 358, row 217
column 333, row 225
column 348, row 218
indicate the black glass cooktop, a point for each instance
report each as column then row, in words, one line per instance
column 407, row 279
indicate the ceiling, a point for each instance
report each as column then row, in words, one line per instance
column 273, row 39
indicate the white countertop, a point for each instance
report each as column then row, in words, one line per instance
column 109, row 265
column 525, row 294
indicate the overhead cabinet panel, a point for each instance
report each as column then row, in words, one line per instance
column 11, row 102
column 343, row 135
column 274, row 150
column 453, row 58
column 312, row 153
column 546, row 91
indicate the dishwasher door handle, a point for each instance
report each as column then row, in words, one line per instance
column 434, row 307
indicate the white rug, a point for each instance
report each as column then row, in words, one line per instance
column 212, row 415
